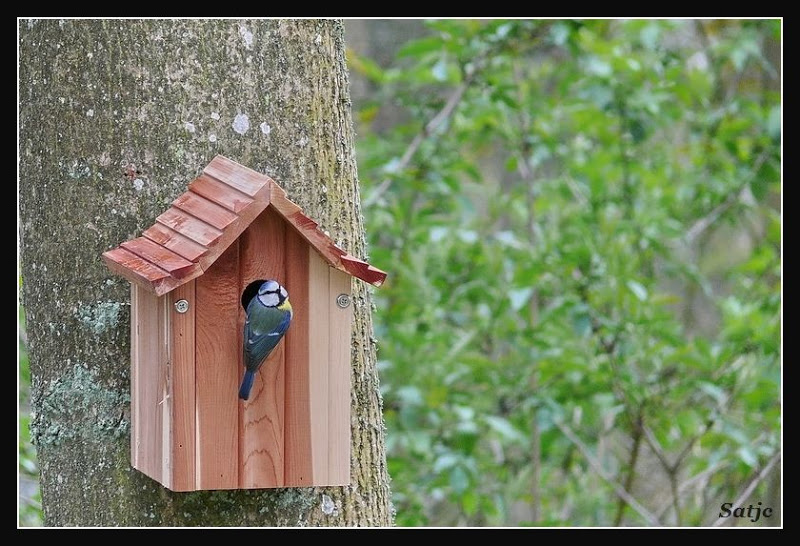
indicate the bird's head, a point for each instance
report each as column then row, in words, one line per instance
column 272, row 294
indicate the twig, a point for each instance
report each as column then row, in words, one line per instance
column 618, row 489
column 428, row 129
column 670, row 469
column 527, row 175
column 688, row 483
column 706, row 221
column 634, row 457
column 758, row 478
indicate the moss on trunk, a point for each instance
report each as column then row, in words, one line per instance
column 115, row 118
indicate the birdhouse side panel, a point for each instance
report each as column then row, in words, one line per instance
column 150, row 402
column 318, row 374
column 339, row 387
column 182, row 386
column 319, row 318
column 261, row 425
column 217, row 371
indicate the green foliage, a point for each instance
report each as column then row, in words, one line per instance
column 580, row 222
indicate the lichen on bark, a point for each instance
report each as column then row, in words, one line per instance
column 116, row 116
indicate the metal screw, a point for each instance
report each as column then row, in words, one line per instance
column 343, row 300
column 181, row 306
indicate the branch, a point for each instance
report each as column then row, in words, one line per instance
column 634, row 457
column 428, row 129
column 444, row 115
column 758, row 478
column 706, row 221
column 670, row 469
column 688, row 483
column 648, row 516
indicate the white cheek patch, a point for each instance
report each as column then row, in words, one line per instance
column 284, row 293
column 268, row 300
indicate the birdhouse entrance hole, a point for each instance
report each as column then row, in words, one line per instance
column 193, row 273
column 250, row 292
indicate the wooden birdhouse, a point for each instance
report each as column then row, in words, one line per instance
column 188, row 274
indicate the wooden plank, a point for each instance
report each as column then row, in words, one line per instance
column 146, row 419
column 171, row 239
column 183, row 389
column 165, row 259
column 310, row 231
column 128, row 264
column 220, row 193
column 202, row 208
column 136, row 364
column 362, row 270
column 339, row 381
column 186, row 224
column 305, row 226
column 163, row 408
column 318, row 372
column 217, row 373
column 261, row 442
column 298, row 470
column 235, row 175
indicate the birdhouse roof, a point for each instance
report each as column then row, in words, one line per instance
column 203, row 222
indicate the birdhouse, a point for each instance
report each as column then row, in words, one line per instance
column 189, row 275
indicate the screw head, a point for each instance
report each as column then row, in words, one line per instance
column 343, row 300
column 181, row 306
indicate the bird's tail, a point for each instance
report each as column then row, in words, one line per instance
column 247, row 384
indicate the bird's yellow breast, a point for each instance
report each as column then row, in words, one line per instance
column 285, row 306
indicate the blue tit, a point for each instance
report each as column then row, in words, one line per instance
column 268, row 316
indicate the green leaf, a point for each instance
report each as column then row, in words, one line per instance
column 459, row 480
column 504, row 428
column 469, row 502
column 519, row 297
column 748, row 456
column 439, row 70
column 638, row 290
column 419, row 47
column 444, row 462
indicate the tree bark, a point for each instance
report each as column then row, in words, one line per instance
column 116, row 117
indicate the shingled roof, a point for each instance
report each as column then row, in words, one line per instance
column 203, row 222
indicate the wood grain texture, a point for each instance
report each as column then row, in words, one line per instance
column 148, row 383
column 261, row 441
column 217, row 363
column 136, row 369
column 140, row 271
column 189, row 226
column 297, row 434
column 338, row 470
column 172, row 263
column 362, row 270
column 309, row 230
column 237, row 176
column 318, row 365
column 205, row 220
column 182, row 381
column 205, row 210
column 235, row 229
column 220, row 193
column 171, row 239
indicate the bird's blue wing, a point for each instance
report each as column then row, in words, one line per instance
column 263, row 329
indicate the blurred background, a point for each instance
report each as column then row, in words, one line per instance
column 582, row 225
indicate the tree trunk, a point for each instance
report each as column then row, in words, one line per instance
column 116, row 117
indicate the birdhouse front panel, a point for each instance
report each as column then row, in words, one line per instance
column 192, row 274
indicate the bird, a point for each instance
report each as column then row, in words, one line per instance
column 268, row 316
